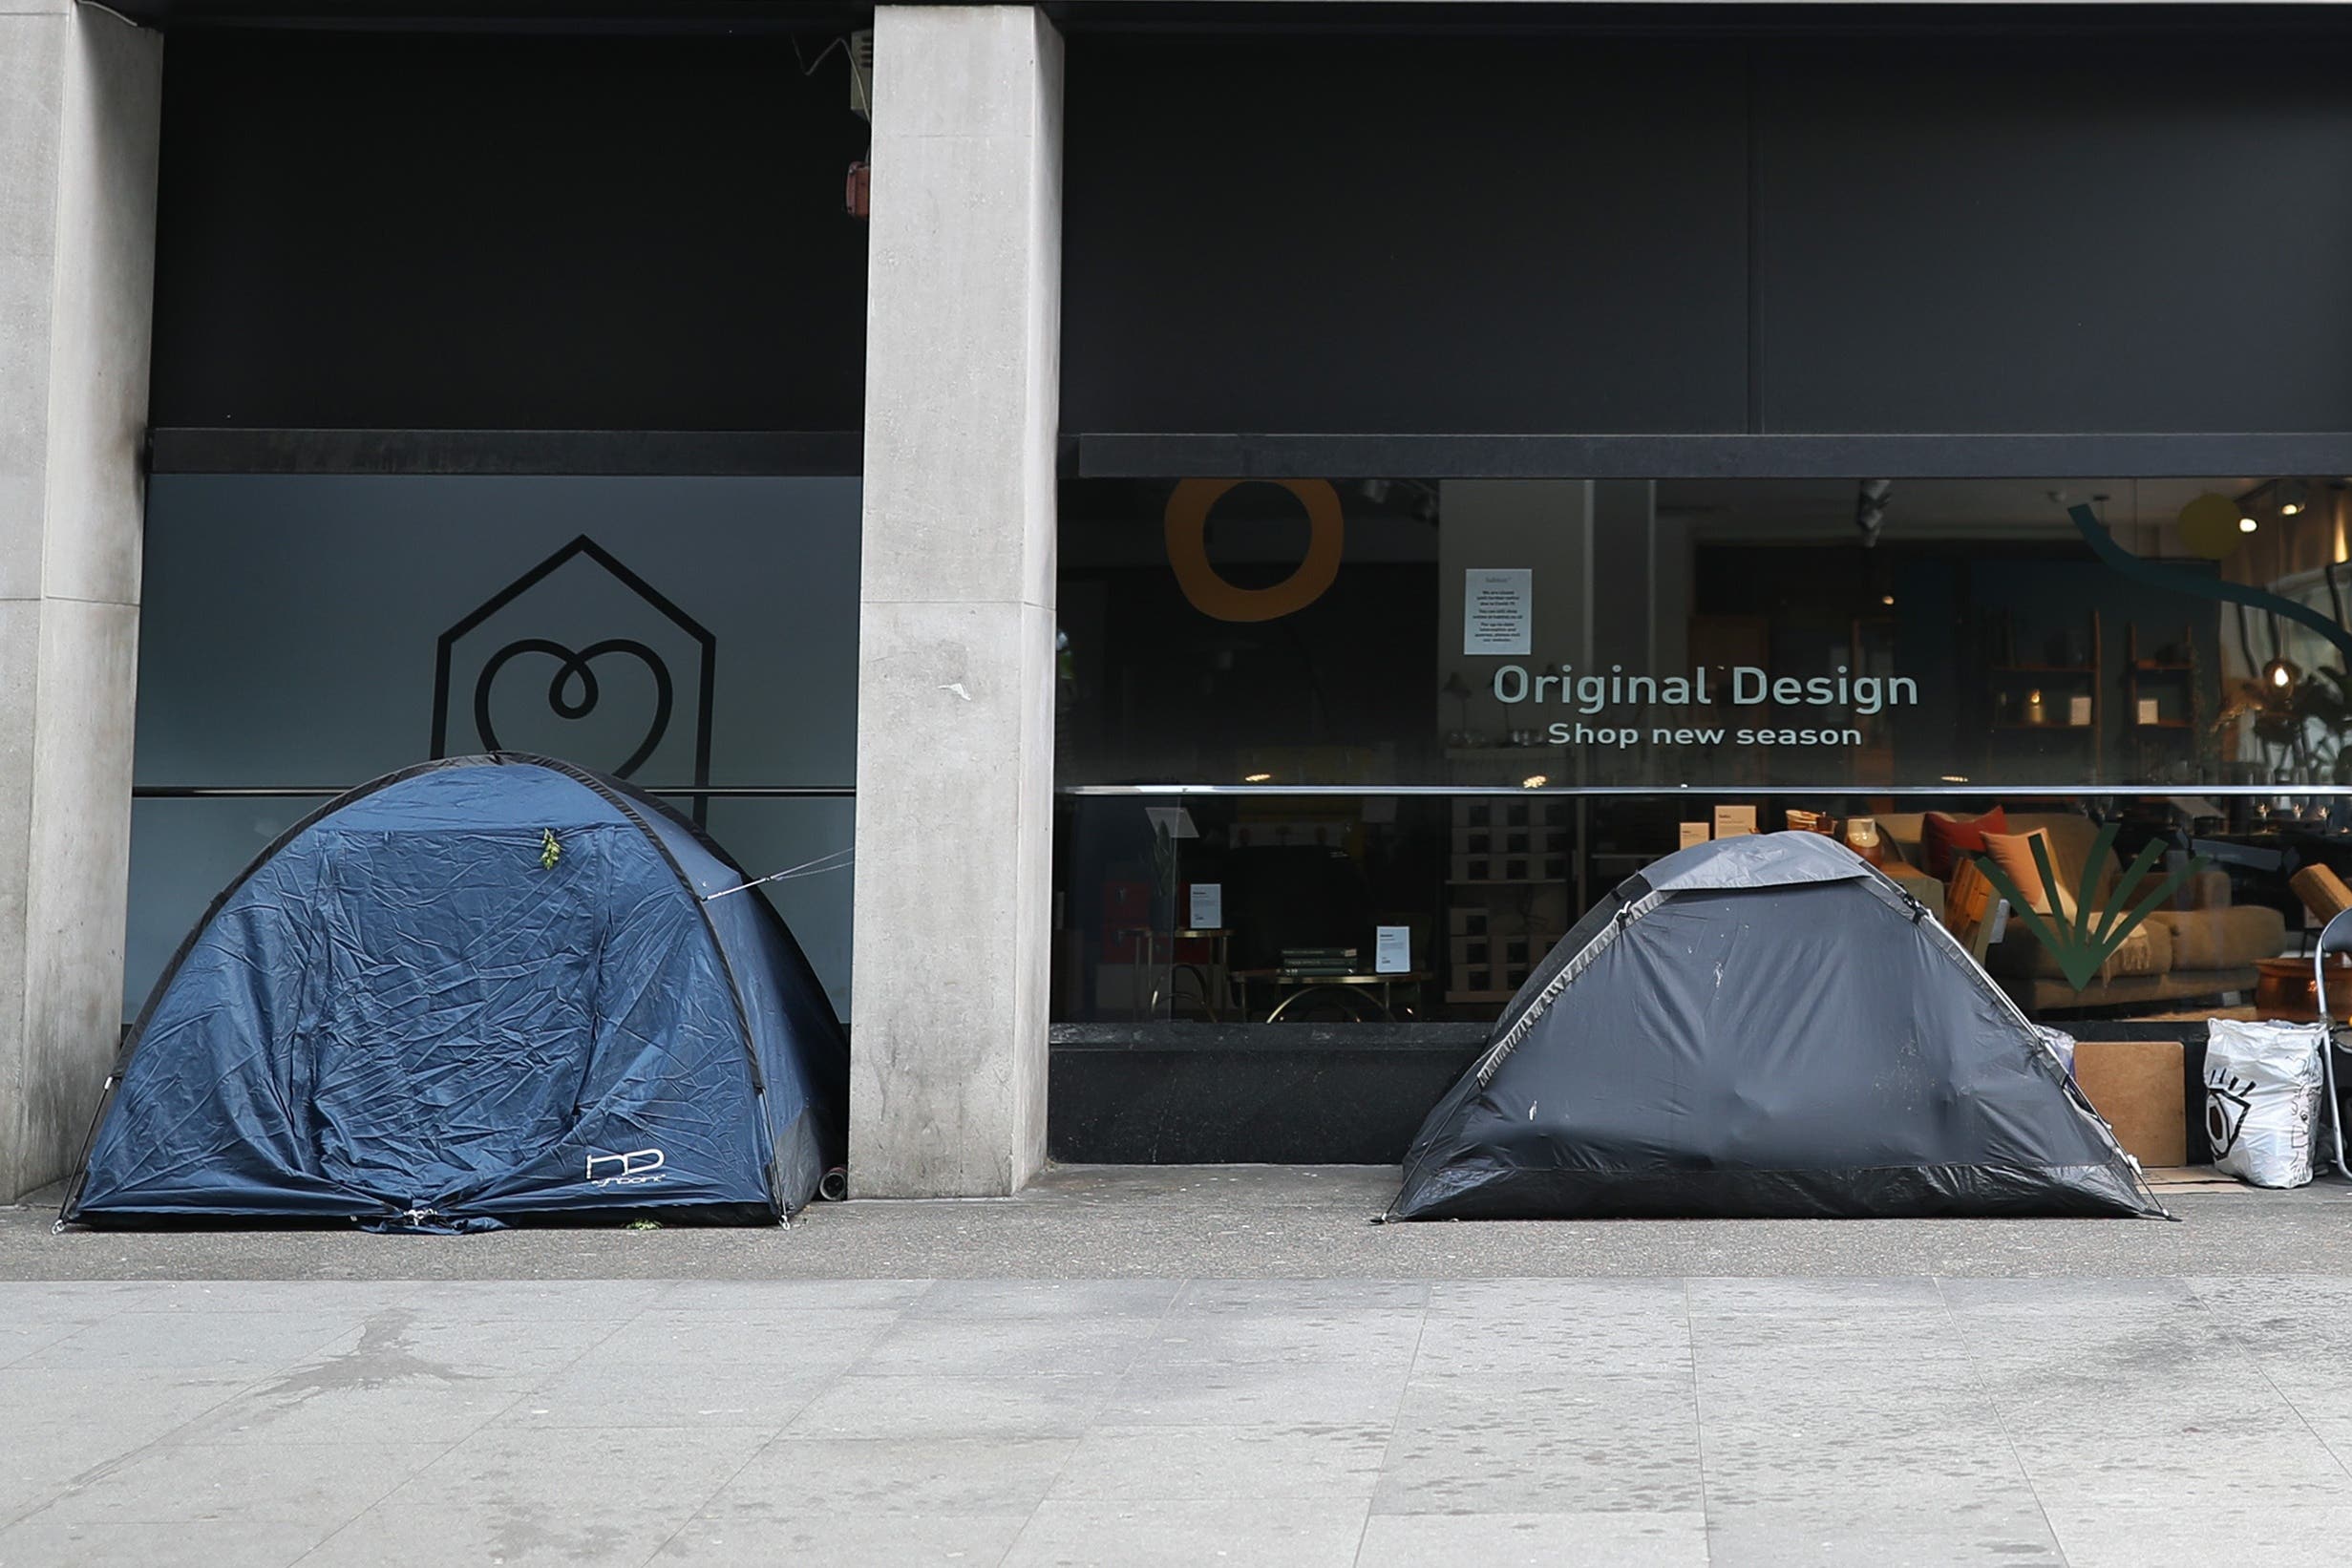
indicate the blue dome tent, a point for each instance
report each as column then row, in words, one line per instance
column 470, row 992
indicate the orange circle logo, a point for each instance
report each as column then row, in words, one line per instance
column 1188, row 552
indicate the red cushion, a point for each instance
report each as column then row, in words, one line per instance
column 1943, row 838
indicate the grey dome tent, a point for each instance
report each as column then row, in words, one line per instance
column 471, row 992
column 1764, row 1027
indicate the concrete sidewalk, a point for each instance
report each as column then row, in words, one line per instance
column 1230, row 1220
column 1985, row 1399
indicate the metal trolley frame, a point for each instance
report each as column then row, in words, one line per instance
column 2335, row 938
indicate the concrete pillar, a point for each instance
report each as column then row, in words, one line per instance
column 80, row 89
column 955, row 692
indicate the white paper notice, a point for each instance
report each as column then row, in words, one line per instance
column 1173, row 820
column 1498, row 609
column 1208, row 905
column 1392, row 949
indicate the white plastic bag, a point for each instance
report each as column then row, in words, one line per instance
column 2263, row 1099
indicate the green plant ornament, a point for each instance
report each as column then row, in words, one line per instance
column 549, row 851
column 2081, row 945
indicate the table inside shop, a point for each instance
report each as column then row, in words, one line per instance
column 1209, row 976
column 1291, row 987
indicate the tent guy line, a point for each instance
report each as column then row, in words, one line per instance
column 839, row 859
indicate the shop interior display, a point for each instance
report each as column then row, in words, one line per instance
column 1570, row 680
column 2198, row 944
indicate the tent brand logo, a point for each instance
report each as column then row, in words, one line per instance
column 634, row 1169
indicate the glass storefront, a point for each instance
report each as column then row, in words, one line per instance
column 303, row 634
column 1351, row 750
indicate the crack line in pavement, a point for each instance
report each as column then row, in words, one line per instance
column 1396, row 1419
column 1697, row 1419
column 104, row 1468
column 1159, row 1323
column 2189, row 1282
column 783, row 1429
column 2001, row 1417
column 1167, row 1310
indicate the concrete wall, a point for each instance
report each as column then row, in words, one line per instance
column 954, row 698
column 78, row 96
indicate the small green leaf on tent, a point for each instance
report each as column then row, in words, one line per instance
column 549, row 851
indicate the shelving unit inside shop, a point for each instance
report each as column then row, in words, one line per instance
column 1507, row 889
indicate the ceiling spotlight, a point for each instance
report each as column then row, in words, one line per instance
column 2291, row 498
column 2247, row 525
column 2288, row 509
column 1887, row 599
column 1534, row 781
column 1257, row 778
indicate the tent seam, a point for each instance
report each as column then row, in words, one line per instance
column 1492, row 1062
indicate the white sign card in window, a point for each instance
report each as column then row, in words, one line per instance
column 1498, row 609
column 1208, row 910
column 1392, row 949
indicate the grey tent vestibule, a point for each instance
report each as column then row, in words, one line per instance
column 1764, row 1027
column 467, row 993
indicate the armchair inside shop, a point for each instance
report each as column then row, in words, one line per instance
column 1340, row 760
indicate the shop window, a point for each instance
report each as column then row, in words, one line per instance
column 1362, row 750
column 304, row 634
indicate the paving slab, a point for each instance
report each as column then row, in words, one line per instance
column 45, row 1542
column 973, row 1404
column 1536, row 1541
column 724, row 1539
column 915, row 1476
column 1207, row 1464
column 523, row 1499
column 605, row 1392
column 1159, row 1532
column 1935, row 1532
column 254, row 1483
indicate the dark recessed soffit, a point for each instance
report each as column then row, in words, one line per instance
column 1828, row 16
column 1710, row 456
column 666, row 16
column 603, row 453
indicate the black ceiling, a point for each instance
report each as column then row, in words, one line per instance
column 1845, row 16
column 500, row 16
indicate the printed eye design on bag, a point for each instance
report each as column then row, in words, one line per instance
column 2226, row 1101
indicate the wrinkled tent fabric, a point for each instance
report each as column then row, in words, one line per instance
column 1764, row 1027
column 473, row 992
